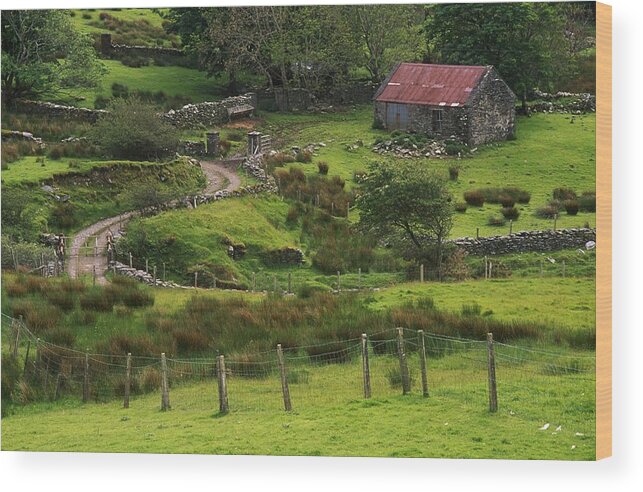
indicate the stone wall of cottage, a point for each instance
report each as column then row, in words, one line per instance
column 492, row 110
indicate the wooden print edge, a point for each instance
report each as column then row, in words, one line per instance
column 603, row 231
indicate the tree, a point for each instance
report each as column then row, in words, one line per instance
column 43, row 54
column 525, row 42
column 133, row 130
column 388, row 34
column 408, row 200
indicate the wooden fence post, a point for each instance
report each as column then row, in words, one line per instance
column 339, row 281
column 196, row 280
column 359, row 278
column 24, row 369
column 86, row 379
column 289, row 283
column 58, row 385
column 154, row 275
column 365, row 367
column 421, row 272
column 130, row 259
column 128, row 380
column 404, row 370
column 422, row 350
column 477, row 233
column 511, row 226
column 486, row 266
column 165, row 389
column 147, row 265
column 17, row 341
column 493, row 392
column 222, row 384
column 284, row 378
column 93, row 274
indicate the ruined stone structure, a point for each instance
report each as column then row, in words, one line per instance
column 469, row 103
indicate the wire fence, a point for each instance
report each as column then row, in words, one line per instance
column 398, row 361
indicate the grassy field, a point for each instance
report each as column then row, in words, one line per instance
column 549, row 152
column 172, row 80
column 330, row 418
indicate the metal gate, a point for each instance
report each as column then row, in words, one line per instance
column 397, row 116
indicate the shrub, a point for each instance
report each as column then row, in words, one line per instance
column 293, row 215
column 63, row 299
column 304, row 156
column 473, row 309
column 587, row 201
column 119, row 90
column 510, row 213
column 87, row 16
column 506, row 201
column 133, row 130
column 454, row 172
column 323, row 167
column 562, row 194
column 494, row 195
column 61, row 336
column 496, row 221
column 547, row 212
column 55, row 152
column 97, row 299
column 475, row 198
column 571, row 207
column 311, row 288
column 63, row 216
column 453, row 147
column 460, row 207
column 39, row 317
column 101, row 102
column 359, row 175
column 190, row 340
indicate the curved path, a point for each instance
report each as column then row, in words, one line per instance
column 87, row 250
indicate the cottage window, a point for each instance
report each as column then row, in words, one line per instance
column 436, row 120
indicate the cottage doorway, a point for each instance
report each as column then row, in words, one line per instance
column 397, row 116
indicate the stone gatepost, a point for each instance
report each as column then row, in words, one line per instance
column 254, row 143
column 212, row 144
column 106, row 43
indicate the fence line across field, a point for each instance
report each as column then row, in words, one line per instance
column 381, row 364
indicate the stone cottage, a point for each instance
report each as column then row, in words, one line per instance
column 469, row 103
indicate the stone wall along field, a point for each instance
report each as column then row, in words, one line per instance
column 528, row 241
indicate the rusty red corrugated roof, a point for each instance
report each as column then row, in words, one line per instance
column 421, row 83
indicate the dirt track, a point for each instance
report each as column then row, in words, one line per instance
column 83, row 259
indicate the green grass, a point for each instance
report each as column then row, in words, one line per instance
column 453, row 422
column 101, row 189
column 28, row 170
column 173, row 80
column 569, row 302
column 549, row 152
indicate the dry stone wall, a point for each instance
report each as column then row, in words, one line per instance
column 52, row 110
column 528, row 241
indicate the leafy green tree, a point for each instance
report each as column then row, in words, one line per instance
column 407, row 200
column 525, row 42
column 388, row 34
column 43, row 54
column 134, row 130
